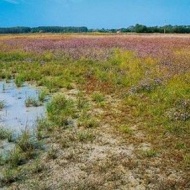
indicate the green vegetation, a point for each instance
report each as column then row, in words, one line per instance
column 5, row 134
column 26, row 148
column 32, row 102
column 42, row 95
column 125, row 129
column 52, row 153
column 60, row 110
column 98, row 97
column 43, row 127
column 149, row 153
column 124, row 115
column 85, row 136
column 88, row 122
column 19, row 80
column 2, row 104
column 54, row 29
column 138, row 28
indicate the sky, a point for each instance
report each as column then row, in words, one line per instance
column 94, row 13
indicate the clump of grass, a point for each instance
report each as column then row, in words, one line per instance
column 5, row 134
column 25, row 149
column 16, row 157
column 187, row 160
column 69, row 138
column 180, row 146
column 82, row 102
column 84, row 136
column 32, row 102
column 68, row 86
column 10, row 176
column 42, row 95
column 37, row 167
column 125, row 129
column 28, row 144
column 149, row 153
column 2, row 104
column 52, row 153
column 53, row 84
column 19, row 81
column 89, row 122
column 43, row 126
column 98, row 97
column 4, row 87
column 3, row 159
column 60, row 110
column 66, row 142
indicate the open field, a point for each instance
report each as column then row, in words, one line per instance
column 119, row 116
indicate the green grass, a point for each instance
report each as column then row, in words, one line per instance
column 52, row 153
column 15, row 161
column 42, row 95
column 16, row 157
column 32, row 102
column 37, row 167
column 85, row 136
column 2, row 104
column 82, row 103
column 187, row 160
column 98, row 97
column 88, row 121
column 10, row 176
column 19, row 81
column 28, row 142
column 43, row 128
column 60, row 110
column 149, row 153
column 125, row 129
column 5, row 134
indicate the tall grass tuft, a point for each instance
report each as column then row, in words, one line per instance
column 60, row 110
column 2, row 104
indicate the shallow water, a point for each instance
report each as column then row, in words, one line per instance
column 16, row 116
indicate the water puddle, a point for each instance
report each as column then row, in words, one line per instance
column 15, row 115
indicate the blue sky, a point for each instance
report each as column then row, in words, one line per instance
column 93, row 13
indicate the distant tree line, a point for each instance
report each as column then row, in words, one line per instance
column 43, row 29
column 138, row 28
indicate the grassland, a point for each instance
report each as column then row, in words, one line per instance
column 119, row 117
